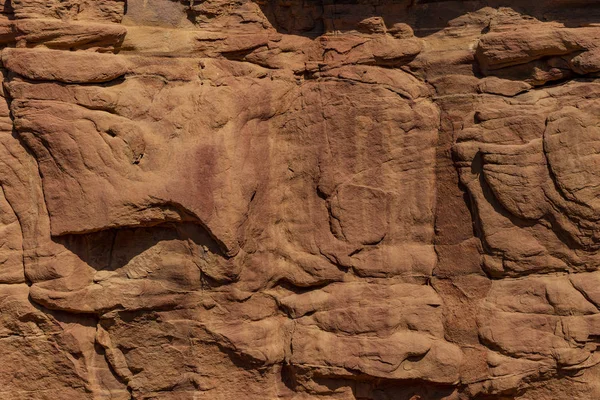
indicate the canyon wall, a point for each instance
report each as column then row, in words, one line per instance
column 300, row 199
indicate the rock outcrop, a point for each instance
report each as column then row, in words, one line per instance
column 212, row 199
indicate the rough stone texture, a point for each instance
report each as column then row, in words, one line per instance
column 300, row 199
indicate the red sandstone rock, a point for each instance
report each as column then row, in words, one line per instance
column 299, row 199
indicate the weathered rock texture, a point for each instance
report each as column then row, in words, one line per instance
column 353, row 199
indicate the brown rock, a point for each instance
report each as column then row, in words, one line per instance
column 297, row 200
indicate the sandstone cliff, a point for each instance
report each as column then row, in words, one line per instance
column 300, row 199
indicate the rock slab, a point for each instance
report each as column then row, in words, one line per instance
column 299, row 200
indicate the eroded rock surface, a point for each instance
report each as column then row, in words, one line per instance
column 299, row 199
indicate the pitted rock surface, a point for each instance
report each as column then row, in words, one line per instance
column 213, row 199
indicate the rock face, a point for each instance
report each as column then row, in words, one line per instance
column 392, row 199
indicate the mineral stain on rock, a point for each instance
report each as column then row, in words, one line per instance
column 299, row 199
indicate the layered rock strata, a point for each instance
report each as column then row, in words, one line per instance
column 299, row 199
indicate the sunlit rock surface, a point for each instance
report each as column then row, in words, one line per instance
column 300, row 199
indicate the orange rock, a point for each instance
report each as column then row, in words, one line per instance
column 299, row 199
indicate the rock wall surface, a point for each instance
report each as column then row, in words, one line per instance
column 286, row 199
